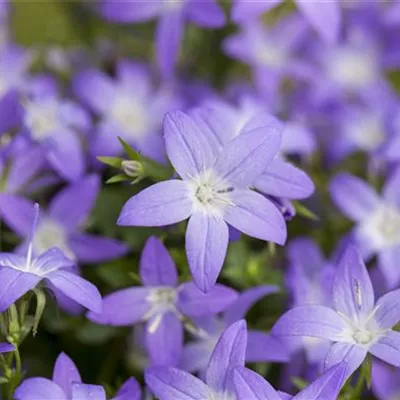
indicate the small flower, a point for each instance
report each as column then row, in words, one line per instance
column 172, row 383
column 213, row 192
column 66, row 384
column 162, row 304
column 355, row 323
column 20, row 274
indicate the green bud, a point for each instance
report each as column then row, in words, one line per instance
column 132, row 168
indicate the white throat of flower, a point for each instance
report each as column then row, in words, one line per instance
column 269, row 54
column 352, row 68
column 42, row 118
column 212, row 395
column 209, row 193
column 367, row 132
column 162, row 300
column 49, row 233
column 130, row 114
column 382, row 227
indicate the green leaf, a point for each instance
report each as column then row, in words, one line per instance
column 117, row 178
column 304, row 211
column 155, row 170
column 132, row 154
column 111, row 161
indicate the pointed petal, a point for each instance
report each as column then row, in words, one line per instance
column 351, row 354
column 17, row 212
column 262, row 347
column 130, row 390
column 76, row 288
column 195, row 303
column 12, row 260
column 196, row 355
column 157, row 268
column 391, row 188
column 65, row 373
column 251, row 386
column 323, row 16
column 205, row 13
column 51, row 260
column 6, row 347
column 122, row 308
column 169, row 34
column 245, row 158
column 352, row 290
column 246, row 300
column 314, row 321
column 387, row 312
column 229, row 352
column 188, row 149
column 81, row 391
column 72, row 205
column 388, row 262
column 164, row 203
column 282, row 179
column 93, row 249
column 173, row 384
column 165, row 341
column 206, row 244
column 256, row 216
column 327, row 386
column 14, row 284
column 387, row 348
column 354, row 197
column 41, row 388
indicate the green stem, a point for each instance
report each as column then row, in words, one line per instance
column 356, row 395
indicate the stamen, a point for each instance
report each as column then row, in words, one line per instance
column 357, row 289
column 32, row 234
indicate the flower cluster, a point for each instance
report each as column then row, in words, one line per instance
column 193, row 191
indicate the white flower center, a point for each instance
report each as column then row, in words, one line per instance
column 269, row 54
column 130, row 115
column 367, row 132
column 352, row 68
column 363, row 336
column 50, row 234
column 42, row 118
column 382, row 227
column 212, row 395
column 209, row 193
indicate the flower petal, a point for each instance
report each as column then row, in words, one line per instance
column 282, row 179
column 65, row 373
column 315, row 321
column 387, row 312
column 40, row 388
column 244, row 158
column 17, row 212
column 352, row 290
column 206, row 244
column 229, row 352
column 256, row 216
column 172, row 384
column 195, row 303
column 205, row 13
column 387, row 348
column 354, row 197
column 157, row 268
column 188, row 149
column 164, row 203
column 122, row 308
column 81, row 391
column 243, row 11
column 76, row 288
column 72, row 205
column 263, row 347
column 165, row 341
column 6, row 347
column 51, row 260
column 130, row 390
column 14, row 284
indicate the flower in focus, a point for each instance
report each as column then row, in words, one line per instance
column 66, row 384
column 355, row 325
column 162, row 304
column 214, row 191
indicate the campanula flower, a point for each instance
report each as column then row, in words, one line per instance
column 214, row 191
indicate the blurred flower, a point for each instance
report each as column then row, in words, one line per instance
column 66, row 384
column 162, row 304
column 170, row 29
column 355, row 324
column 172, row 383
column 20, row 274
column 214, row 191
column 385, row 381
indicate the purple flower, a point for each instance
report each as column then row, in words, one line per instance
column 170, row 29
column 128, row 107
column 229, row 353
column 355, row 323
column 66, row 384
column 385, row 381
column 60, row 225
column 54, row 123
column 323, row 16
column 162, row 304
column 20, row 274
column 261, row 346
column 213, row 192
column 251, row 386
column 377, row 219
column 6, row 347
